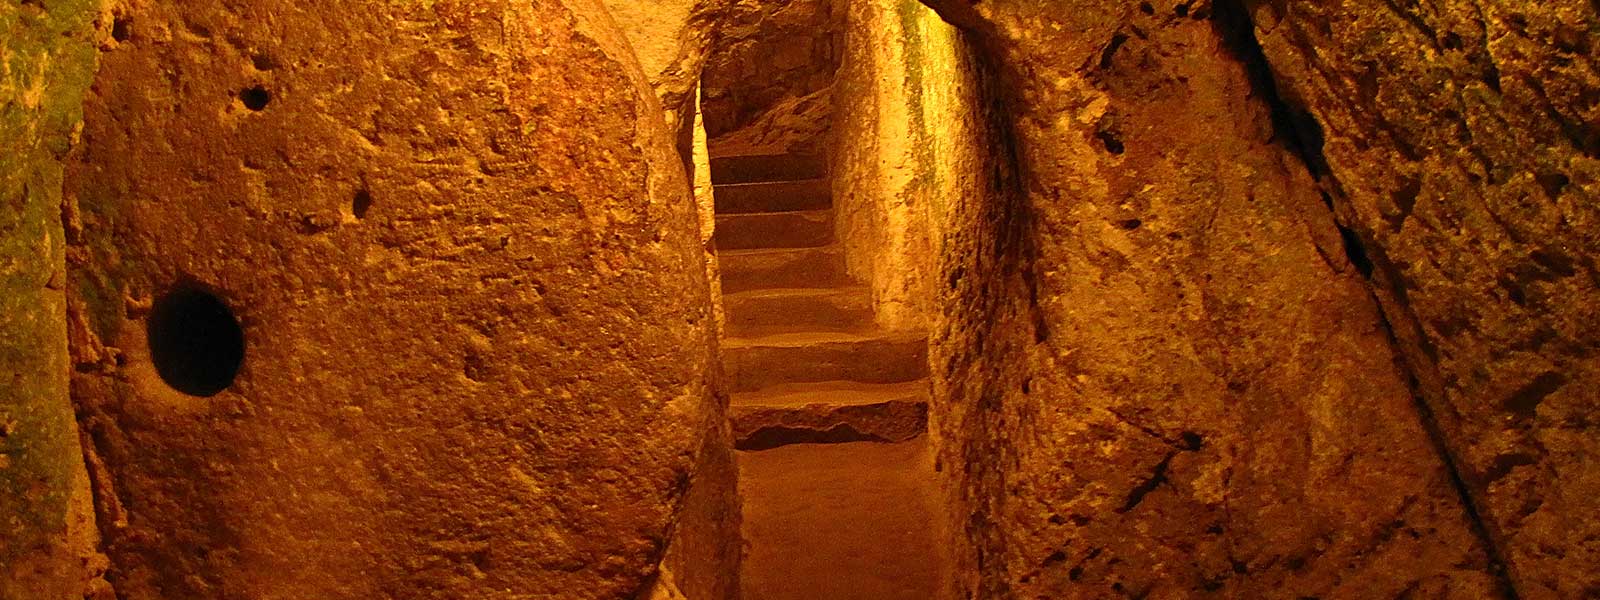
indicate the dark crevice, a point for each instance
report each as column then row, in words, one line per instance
column 1293, row 127
column 1554, row 183
column 1436, row 438
column 361, row 203
column 1301, row 134
column 122, row 28
column 1110, row 52
column 1524, row 403
column 1355, row 251
column 1581, row 136
column 1405, row 202
column 1158, row 476
column 1504, row 463
column 768, row 438
column 1110, row 141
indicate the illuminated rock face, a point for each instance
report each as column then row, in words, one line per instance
column 769, row 77
column 46, row 529
column 409, row 299
column 672, row 40
column 1462, row 145
column 1169, row 377
column 457, row 247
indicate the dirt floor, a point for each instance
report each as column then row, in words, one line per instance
column 851, row 521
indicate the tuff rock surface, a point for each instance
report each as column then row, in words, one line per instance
column 466, row 264
column 1169, row 379
column 1460, row 142
column 47, row 60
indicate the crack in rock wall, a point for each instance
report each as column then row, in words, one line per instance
column 1461, row 146
column 1202, row 398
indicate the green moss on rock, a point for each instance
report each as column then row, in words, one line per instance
column 47, row 59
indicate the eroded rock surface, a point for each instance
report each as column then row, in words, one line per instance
column 46, row 528
column 768, row 80
column 672, row 40
column 1203, row 400
column 1461, row 143
column 460, row 246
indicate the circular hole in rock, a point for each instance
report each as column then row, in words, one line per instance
column 255, row 98
column 195, row 342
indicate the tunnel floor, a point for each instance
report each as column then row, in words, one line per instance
column 852, row 521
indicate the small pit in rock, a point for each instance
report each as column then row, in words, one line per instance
column 255, row 97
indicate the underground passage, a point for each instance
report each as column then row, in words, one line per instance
column 799, row 300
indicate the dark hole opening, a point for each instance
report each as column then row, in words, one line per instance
column 1112, row 143
column 120, row 29
column 361, row 204
column 1355, row 252
column 195, row 342
column 255, row 98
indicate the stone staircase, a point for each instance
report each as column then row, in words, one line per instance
column 828, row 411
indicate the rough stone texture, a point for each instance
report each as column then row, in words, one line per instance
column 790, row 126
column 1166, row 378
column 769, row 72
column 885, row 169
column 829, row 412
column 1461, row 143
column 47, row 59
column 672, row 39
column 704, row 554
column 464, row 255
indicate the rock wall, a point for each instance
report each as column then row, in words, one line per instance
column 706, row 548
column 927, row 155
column 767, row 84
column 1460, row 143
column 1167, row 375
column 460, row 334
column 47, row 59
column 885, row 166
column 672, row 40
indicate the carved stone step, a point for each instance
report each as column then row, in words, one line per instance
column 829, row 412
column 756, row 363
